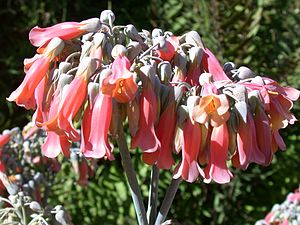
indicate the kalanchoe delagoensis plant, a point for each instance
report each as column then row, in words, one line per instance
column 172, row 92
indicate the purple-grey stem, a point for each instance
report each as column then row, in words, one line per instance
column 167, row 202
column 131, row 176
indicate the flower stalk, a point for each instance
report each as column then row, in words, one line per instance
column 131, row 176
column 167, row 202
column 153, row 192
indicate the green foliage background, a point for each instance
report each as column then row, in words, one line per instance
column 261, row 34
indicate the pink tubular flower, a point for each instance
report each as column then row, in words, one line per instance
column 247, row 144
column 212, row 66
column 189, row 168
column 168, row 52
column 264, row 135
column 24, row 94
column 95, row 127
column 55, row 144
column 165, row 133
column 212, row 108
column 72, row 98
column 145, row 137
column 65, row 31
column 120, row 84
column 217, row 169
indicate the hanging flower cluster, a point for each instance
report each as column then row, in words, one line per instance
column 171, row 90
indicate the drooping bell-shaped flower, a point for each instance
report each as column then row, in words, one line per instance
column 263, row 131
column 65, row 31
column 72, row 98
column 146, row 137
column 120, row 84
column 211, row 65
column 247, row 145
column 165, row 133
column 24, row 94
column 55, row 144
column 188, row 168
column 216, row 169
column 95, row 127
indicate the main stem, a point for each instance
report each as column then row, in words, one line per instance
column 131, row 176
column 153, row 191
column 167, row 202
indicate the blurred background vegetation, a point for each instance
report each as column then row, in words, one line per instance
column 261, row 34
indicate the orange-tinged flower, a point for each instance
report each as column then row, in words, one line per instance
column 120, row 84
column 165, row 133
column 217, row 169
column 65, row 31
column 146, row 137
column 213, row 109
column 70, row 100
column 95, row 127
column 24, row 94
column 189, row 168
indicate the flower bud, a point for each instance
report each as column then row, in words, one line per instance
column 133, row 50
column 107, row 16
column 118, row 51
column 194, row 39
column 35, row 206
column 64, row 79
column 61, row 217
column 160, row 41
column 132, row 33
column 165, row 71
column 244, row 73
column 90, row 25
column 54, row 48
column 156, row 32
column 64, row 67
column 228, row 67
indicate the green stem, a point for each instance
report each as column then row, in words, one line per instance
column 153, row 190
column 167, row 202
column 131, row 176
